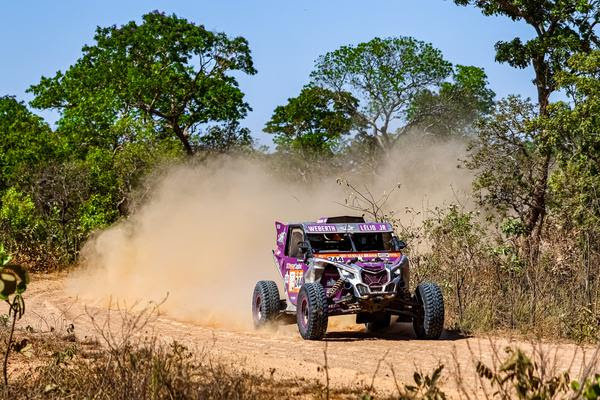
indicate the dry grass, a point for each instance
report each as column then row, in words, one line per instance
column 51, row 366
column 124, row 364
column 54, row 367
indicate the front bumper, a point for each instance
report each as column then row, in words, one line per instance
column 367, row 284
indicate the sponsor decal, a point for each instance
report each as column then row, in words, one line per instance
column 294, row 266
column 373, row 227
column 281, row 237
column 321, row 228
column 367, row 227
column 340, row 257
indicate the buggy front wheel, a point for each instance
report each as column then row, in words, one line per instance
column 312, row 311
column 429, row 322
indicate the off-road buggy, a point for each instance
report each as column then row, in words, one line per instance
column 344, row 265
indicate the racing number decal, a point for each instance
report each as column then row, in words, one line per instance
column 295, row 277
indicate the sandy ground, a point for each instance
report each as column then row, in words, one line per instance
column 353, row 356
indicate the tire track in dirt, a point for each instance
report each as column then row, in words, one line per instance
column 353, row 355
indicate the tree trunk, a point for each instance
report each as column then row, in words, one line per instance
column 537, row 213
column 180, row 133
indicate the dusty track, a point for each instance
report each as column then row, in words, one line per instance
column 353, row 355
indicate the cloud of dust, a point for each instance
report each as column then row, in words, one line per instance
column 206, row 233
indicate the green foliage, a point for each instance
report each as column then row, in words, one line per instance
column 490, row 284
column 47, row 221
column 96, row 212
column 512, row 227
column 590, row 390
column 508, row 160
column 165, row 73
column 17, row 212
column 562, row 28
column 455, row 106
column 384, row 75
column 226, row 138
column 457, row 258
column 518, row 376
column 426, row 387
column 25, row 140
column 573, row 131
column 313, row 122
column 5, row 257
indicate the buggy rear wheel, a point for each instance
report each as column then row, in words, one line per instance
column 429, row 323
column 265, row 303
column 312, row 311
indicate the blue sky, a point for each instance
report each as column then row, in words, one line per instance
column 40, row 37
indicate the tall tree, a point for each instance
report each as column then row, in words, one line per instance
column 562, row 28
column 313, row 122
column 166, row 72
column 574, row 128
column 25, row 140
column 384, row 75
column 455, row 106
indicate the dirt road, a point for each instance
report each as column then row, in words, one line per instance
column 353, row 355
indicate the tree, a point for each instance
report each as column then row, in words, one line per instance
column 166, row 72
column 455, row 106
column 505, row 154
column 573, row 129
column 562, row 28
column 313, row 122
column 226, row 138
column 25, row 140
column 384, row 75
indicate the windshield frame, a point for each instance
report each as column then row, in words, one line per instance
column 354, row 248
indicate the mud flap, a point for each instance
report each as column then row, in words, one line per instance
column 363, row 318
column 404, row 318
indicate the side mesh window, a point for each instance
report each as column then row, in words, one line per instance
column 296, row 238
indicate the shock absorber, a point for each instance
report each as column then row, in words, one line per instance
column 335, row 288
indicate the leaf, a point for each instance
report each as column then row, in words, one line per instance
column 27, row 350
column 16, row 277
column 20, row 272
column 411, row 388
column 8, row 286
column 8, row 277
column 417, row 378
column 437, row 373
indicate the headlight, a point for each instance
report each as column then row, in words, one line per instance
column 362, row 289
column 346, row 274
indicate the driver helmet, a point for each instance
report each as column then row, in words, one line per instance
column 334, row 236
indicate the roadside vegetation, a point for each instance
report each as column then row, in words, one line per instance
column 160, row 91
column 57, row 365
